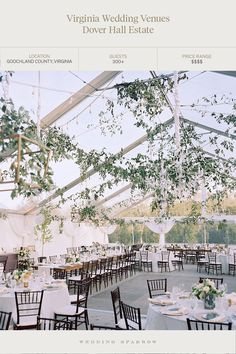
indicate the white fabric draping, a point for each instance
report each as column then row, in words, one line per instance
column 160, row 228
column 86, row 233
column 107, row 230
column 22, row 226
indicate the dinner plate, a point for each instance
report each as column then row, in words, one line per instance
column 174, row 308
column 207, row 315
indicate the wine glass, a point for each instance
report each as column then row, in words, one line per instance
column 175, row 293
column 193, row 304
column 223, row 287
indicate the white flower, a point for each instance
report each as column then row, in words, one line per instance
column 212, row 284
column 206, row 289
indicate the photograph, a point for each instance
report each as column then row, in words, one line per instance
column 118, row 200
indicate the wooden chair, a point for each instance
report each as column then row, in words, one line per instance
column 124, row 265
column 78, row 314
column 178, row 264
column 59, row 273
column 202, row 262
column 156, row 287
column 134, row 263
column 28, row 307
column 232, row 266
column 117, row 310
column 190, row 257
column 217, row 281
column 102, row 273
column 132, row 317
column 50, row 324
column 145, row 263
column 164, row 262
column 93, row 274
column 5, row 320
column 114, row 268
column 213, row 266
column 73, row 284
column 197, row 325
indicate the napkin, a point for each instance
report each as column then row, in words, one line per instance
column 181, row 311
column 219, row 317
column 161, row 302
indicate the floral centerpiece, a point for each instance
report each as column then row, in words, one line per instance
column 23, row 259
column 21, row 276
column 73, row 258
column 207, row 291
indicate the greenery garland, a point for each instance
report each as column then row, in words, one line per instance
column 155, row 172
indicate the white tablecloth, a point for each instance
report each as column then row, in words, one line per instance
column 52, row 300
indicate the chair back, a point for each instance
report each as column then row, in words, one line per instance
column 5, row 319
column 165, row 255
column 144, row 256
column 93, row 267
column 116, row 303
column 217, row 281
column 102, row 266
column 156, row 287
column 59, row 273
column 212, row 257
column 50, row 324
column 28, row 304
column 197, row 325
column 82, row 293
column 109, row 263
column 86, row 267
column 132, row 317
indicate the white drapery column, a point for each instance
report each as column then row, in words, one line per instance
column 107, row 230
column 23, row 227
column 161, row 229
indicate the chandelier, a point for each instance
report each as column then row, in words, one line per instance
column 23, row 147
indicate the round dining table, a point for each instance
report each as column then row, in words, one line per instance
column 55, row 296
column 173, row 317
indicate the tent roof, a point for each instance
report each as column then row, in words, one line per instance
column 77, row 114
